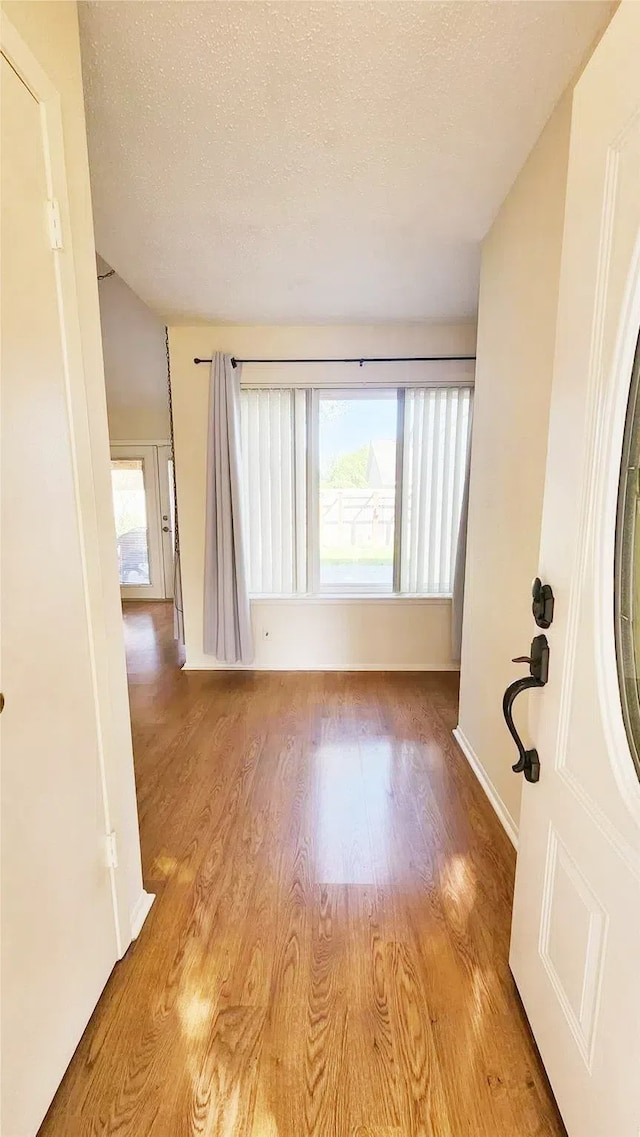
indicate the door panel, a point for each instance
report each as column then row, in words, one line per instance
column 136, row 505
column 167, row 499
column 59, row 935
column 576, row 924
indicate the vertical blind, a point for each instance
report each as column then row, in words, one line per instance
column 435, row 440
column 274, row 489
column 436, row 437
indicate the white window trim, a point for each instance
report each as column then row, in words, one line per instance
column 301, row 492
column 313, row 495
column 397, row 517
column 441, row 599
column 353, row 376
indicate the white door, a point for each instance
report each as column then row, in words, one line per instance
column 58, row 922
column 137, row 508
column 576, row 922
column 167, row 518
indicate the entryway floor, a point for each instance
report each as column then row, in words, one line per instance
column 327, row 953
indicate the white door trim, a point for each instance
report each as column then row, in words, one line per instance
column 608, row 450
column 166, row 502
column 140, row 441
column 607, row 397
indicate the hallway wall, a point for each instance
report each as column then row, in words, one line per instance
column 135, row 365
column 519, row 285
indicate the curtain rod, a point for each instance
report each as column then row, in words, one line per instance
column 360, row 360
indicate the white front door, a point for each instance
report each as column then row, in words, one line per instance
column 58, row 920
column 576, row 922
column 138, row 509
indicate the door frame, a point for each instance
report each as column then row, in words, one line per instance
column 90, row 457
column 166, row 492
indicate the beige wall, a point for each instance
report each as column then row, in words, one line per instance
column 51, row 32
column 135, row 366
column 298, row 633
column 516, row 336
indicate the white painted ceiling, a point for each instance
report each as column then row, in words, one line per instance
column 315, row 162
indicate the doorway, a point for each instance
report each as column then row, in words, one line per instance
column 143, row 506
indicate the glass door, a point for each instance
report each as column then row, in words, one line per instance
column 137, row 511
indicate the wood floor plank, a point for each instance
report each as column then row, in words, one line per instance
column 328, row 952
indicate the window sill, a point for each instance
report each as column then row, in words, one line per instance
column 353, row 598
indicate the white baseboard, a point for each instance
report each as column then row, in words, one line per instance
column 504, row 817
column 425, row 668
column 140, row 912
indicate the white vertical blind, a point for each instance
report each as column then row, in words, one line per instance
column 273, row 428
column 436, row 434
column 300, row 486
column 275, row 478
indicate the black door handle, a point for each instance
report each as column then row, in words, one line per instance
column 528, row 761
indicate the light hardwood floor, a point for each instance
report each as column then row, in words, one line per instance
column 327, row 954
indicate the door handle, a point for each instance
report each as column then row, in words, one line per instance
column 528, row 761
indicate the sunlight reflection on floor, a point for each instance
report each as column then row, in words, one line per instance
column 352, row 819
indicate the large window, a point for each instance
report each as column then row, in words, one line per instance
column 355, row 492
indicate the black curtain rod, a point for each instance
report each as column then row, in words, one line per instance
column 360, row 360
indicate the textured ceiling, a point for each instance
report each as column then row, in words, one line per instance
column 307, row 162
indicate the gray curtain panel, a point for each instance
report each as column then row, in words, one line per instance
column 227, row 619
column 457, row 602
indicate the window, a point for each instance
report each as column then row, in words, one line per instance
column 627, row 569
column 355, row 492
column 130, row 509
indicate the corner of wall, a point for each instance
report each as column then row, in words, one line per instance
column 508, row 823
column 519, row 285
